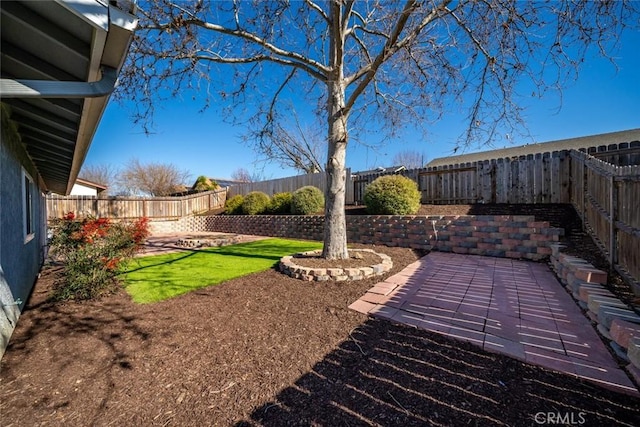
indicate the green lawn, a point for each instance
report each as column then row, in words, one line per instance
column 156, row 278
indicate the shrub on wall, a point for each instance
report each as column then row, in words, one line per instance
column 233, row 206
column 392, row 195
column 205, row 184
column 94, row 252
column 280, row 203
column 307, row 200
column 256, row 202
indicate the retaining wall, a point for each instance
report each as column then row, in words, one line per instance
column 493, row 235
column 617, row 322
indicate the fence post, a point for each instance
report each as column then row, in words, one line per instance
column 584, row 192
column 613, row 205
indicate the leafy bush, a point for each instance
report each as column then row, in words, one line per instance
column 256, row 202
column 233, row 206
column 307, row 200
column 205, row 184
column 280, row 203
column 392, row 195
column 94, row 252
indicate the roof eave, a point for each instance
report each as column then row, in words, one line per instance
column 116, row 45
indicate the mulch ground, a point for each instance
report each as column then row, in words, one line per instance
column 269, row 350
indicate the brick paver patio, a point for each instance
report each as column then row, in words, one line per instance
column 513, row 307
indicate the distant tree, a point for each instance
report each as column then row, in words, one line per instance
column 409, row 159
column 100, row 174
column 367, row 66
column 243, row 175
column 152, row 179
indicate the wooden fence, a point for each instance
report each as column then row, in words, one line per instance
column 540, row 178
column 135, row 207
column 607, row 198
column 535, row 178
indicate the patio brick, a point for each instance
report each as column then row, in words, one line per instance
column 512, row 307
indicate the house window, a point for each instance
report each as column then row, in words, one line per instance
column 27, row 207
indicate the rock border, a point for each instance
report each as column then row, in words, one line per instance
column 207, row 243
column 288, row 266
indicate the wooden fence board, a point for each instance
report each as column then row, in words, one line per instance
column 135, row 207
column 608, row 199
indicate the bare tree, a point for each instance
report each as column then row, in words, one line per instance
column 152, row 179
column 367, row 65
column 100, row 174
column 243, row 175
column 409, row 159
column 291, row 145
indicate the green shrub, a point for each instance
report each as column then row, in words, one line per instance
column 280, row 203
column 307, row 200
column 94, row 252
column 392, row 195
column 233, row 206
column 256, row 202
column 205, row 184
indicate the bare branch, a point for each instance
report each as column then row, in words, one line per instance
column 318, row 9
column 391, row 47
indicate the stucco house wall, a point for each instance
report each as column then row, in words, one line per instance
column 21, row 256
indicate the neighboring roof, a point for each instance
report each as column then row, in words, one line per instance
column 59, row 64
column 222, row 182
column 380, row 169
column 91, row 184
column 542, row 147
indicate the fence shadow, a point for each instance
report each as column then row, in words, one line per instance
column 388, row 374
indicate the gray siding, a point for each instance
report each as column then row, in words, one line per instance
column 20, row 261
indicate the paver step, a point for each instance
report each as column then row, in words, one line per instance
column 596, row 301
column 633, row 352
column 607, row 314
column 619, row 351
column 587, row 289
column 622, row 332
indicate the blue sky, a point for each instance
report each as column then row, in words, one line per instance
column 602, row 100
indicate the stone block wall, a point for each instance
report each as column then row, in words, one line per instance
column 520, row 236
column 616, row 321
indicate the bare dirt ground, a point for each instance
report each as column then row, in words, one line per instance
column 269, row 350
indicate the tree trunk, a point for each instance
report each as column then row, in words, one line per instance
column 335, row 224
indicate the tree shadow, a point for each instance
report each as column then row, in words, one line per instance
column 78, row 338
column 388, row 374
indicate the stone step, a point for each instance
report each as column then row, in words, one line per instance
column 596, row 301
column 575, row 286
column 622, row 332
column 604, row 331
column 619, row 351
column 586, row 289
column 607, row 314
column 591, row 275
column 633, row 352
